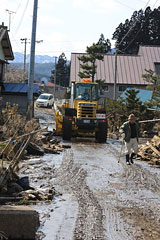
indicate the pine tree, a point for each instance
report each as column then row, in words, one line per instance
column 95, row 52
column 105, row 42
column 62, row 71
column 133, row 103
column 142, row 29
column 154, row 85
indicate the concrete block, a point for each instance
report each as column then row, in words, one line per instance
column 19, row 222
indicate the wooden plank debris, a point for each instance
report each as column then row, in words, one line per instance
column 151, row 151
column 16, row 134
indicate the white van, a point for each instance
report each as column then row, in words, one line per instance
column 45, row 100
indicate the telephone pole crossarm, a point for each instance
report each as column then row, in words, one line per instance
column 10, row 13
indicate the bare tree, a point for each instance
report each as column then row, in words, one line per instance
column 15, row 75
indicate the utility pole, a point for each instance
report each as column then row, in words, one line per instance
column 10, row 13
column 55, row 75
column 32, row 61
column 115, row 76
column 25, row 47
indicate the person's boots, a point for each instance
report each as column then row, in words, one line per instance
column 132, row 155
column 127, row 159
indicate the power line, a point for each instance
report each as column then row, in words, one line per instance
column 131, row 27
column 124, row 4
column 76, row 50
column 20, row 22
column 154, row 4
column 68, row 41
column 16, row 42
column 139, row 29
column 11, row 12
column 17, row 8
column 115, row 76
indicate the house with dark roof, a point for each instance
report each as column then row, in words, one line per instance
column 16, row 93
column 13, row 93
column 130, row 69
column 6, row 53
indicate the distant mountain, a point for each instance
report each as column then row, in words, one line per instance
column 44, row 64
column 41, row 69
column 19, row 58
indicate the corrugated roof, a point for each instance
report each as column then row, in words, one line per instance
column 19, row 88
column 143, row 95
column 129, row 68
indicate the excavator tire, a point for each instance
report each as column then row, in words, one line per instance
column 101, row 134
column 66, row 129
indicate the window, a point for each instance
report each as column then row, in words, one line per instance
column 85, row 91
column 106, row 88
column 122, row 88
column 157, row 68
column 103, row 89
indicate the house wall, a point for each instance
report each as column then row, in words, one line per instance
column 110, row 91
column 1, row 53
column 59, row 91
column 130, row 69
column 16, row 99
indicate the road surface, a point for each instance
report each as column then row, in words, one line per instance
column 101, row 198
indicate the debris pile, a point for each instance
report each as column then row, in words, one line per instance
column 40, row 194
column 19, row 139
column 151, row 151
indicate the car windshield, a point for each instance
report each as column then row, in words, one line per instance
column 44, row 97
column 86, row 91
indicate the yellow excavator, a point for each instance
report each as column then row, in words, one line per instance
column 83, row 117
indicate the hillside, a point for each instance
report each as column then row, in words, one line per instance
column 43, row 64
column 19, row 58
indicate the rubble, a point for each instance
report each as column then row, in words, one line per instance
column 21, row 139
column 150, row 152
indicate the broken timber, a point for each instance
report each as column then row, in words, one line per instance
column 151, row 151
column 26, row 138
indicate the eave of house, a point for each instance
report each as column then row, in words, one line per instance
column 6, row 44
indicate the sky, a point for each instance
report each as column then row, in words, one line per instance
column 66, row 25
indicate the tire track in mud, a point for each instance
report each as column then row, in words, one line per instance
column 137, row 175
column 115, row 227
column 91, row 216
column 89, row 223
column 125, row 219
column 142, row 215
column 134, row 216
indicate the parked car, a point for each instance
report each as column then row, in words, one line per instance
column 45, row 100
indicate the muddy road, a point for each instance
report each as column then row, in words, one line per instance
column 100, row 198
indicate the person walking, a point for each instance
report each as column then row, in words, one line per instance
column 130, row 132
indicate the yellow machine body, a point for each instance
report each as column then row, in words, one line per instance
column 82, row 116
